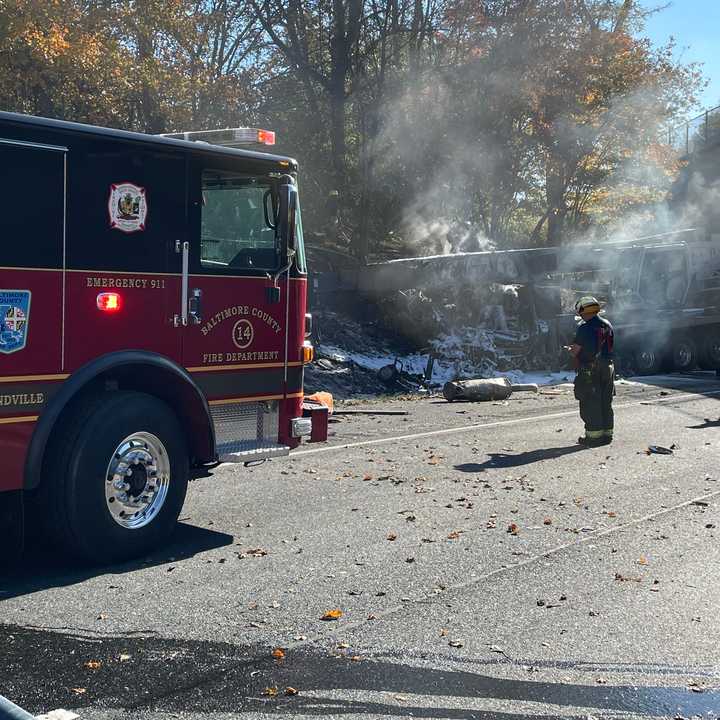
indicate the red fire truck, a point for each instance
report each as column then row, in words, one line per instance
column 152, row 320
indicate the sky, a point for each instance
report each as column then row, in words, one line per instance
column 695, row 25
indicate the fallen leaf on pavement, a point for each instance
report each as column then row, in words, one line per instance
column 332, row 615
column 643, row 560
column 392, row 536
column 547, row 521
column 270, row 691
column 79, row 691
column 124, row 657
column 367, row 477
column 513, row 529
column 456, row 643
column 627, row 578
column 278, row 653
column 454, row 535
column 291, row 691
column 93, row 664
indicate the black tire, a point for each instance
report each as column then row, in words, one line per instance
column 709, row 358
column 648, row 360
column 682, row 356
column 74, row 487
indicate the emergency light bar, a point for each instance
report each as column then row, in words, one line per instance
column 229, row 137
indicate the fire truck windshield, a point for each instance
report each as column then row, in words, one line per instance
column 234, row 231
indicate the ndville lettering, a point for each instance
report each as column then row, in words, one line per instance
column 22, row 399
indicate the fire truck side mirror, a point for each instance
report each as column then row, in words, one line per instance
column 287, row 215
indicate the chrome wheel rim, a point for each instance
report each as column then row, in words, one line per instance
column 646, row 359
column 683, row 355
column 137, row 480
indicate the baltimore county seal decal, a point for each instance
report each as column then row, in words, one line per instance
column 14, row 319
column 128, row 207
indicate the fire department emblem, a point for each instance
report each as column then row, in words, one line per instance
column 14, row 319
column 127, row 206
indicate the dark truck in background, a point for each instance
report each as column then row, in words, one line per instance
column 661, row 292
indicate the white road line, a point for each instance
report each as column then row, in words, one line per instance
column 497, row 423
column 428, row 598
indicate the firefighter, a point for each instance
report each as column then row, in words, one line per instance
column 595, row 372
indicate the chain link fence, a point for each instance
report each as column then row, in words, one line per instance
column 696, row 134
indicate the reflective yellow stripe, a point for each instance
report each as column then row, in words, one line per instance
column 593, row 434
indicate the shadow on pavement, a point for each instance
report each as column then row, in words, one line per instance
column 156, row 674
column 42, row 567
column 502, row 460
column 707, row 424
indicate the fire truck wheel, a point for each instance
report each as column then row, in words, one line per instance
column 121, row 474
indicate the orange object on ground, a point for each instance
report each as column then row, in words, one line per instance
column 322, row 398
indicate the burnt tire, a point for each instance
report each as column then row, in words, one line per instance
column 116, row 440
column 682, row 356
column 709, row 357
column 648, row 360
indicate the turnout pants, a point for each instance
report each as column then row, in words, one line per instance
column 594, row 390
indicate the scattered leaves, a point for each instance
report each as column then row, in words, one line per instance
column 642, row 560
column 454, row 535
column 290, row 691
column 547, row 521
column 332, row 615
column 79, row 691
column 278, row 653
column 270, row 691
column 392, row 537
column 93, row 664
column 513, row 529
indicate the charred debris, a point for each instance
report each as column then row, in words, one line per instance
column 413, row 323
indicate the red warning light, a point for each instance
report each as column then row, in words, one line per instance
column 109, row 302
column 266, row 137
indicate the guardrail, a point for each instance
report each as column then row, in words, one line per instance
column 696, row 134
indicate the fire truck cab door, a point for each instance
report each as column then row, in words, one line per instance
column 234, row 342
column 32, row 234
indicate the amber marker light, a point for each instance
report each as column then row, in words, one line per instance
column 109, row 302
column 308, row 353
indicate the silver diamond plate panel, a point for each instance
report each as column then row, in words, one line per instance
column 242, row 427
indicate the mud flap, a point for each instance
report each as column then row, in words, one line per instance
column 12, row 526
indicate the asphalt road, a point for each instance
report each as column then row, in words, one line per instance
column 484, row 565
